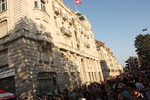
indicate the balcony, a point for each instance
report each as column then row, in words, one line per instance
column 66, row 32
column 47, row 34
column 64, row 16
column 56, row 10
column 43, row 36
column 70, row 22
column 87, row 44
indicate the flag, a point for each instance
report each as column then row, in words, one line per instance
column 77, row 2
column 6, row 95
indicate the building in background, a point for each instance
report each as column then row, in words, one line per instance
column 109, row 64
column 45, row 46
column 132, row 63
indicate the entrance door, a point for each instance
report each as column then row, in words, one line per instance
column 47, row 82
column 45, row 85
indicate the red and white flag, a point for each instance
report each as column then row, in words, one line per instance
column 77, row 2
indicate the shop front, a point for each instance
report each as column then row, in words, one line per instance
column 7, row 81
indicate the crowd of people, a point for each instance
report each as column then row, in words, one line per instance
column 133, row 85
column 92, row 91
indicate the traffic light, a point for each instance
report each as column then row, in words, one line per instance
column 127, row 63
column 136, row 61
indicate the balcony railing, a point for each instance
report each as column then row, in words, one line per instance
column 66, row 31
column 56, row 10
column 64, row 17
column 70, row 22
column 87, row 44
column 43, row 35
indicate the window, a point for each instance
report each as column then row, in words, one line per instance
column 44, row 55
column 75, row 33
column 38, row 23
column 2, row 5
column 3, row 28
column 4, row 58
column 90, row 76
column 35, row 4
column 100, row 75
column 56, row 21
column 42, row 5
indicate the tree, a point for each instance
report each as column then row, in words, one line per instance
column 142, row 45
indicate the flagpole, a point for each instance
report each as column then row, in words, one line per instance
column 76, row 7
column 77, row 2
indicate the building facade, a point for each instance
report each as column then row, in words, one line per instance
column 109, row 64
column 45, row 46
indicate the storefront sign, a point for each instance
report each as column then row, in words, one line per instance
column 7, row 73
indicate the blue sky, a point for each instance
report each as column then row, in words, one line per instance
column 116, row 22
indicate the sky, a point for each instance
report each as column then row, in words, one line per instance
column 116, row 22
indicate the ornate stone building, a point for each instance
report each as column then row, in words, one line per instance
column 110, row 66
column 45, row 46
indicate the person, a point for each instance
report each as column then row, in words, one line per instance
column 120, row 97
column 135, row 95
column 147, row 90
column 139, row 85
column 26, row 98
column 58, row 97
column 82, row 99
column 123, row 94
column 104, row 93
column 38, row 97
column 98, row 93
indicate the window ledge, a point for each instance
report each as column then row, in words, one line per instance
column 1, row 12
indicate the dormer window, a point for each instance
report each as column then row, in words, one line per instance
column 2, row 5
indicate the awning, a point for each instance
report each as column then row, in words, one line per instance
column 5, row 95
